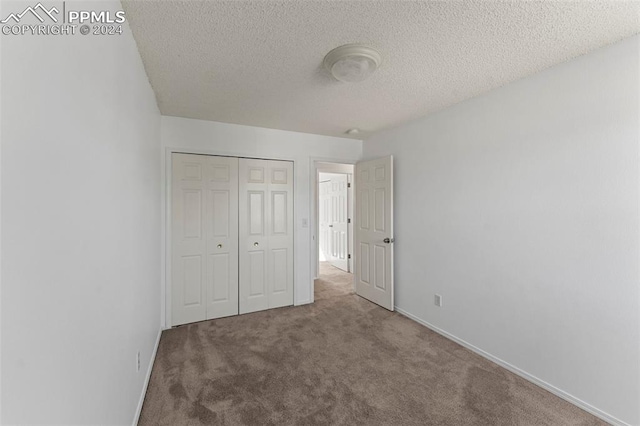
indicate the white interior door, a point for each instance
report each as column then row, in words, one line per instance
column 323, row 218
column 374, row 231
column 350, row 215
column 338, row 222
column 204, row 236
column 266, row 234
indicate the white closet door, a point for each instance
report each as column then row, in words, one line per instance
column 280, row 228
column 254, row 242
column 221, row 228
column 188, row 302
column 266, row 234
column 204, row 237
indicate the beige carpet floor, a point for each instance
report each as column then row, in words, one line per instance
column 339, row 361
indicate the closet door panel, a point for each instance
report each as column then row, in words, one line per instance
column 266, row 234
column 204, row 238
column 253, row 212
column 188, row 191
column 280, row 267
column 222, row 237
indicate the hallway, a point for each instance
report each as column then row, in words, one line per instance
column 332, row 282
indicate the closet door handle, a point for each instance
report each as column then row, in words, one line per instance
column 219, row 245
column 256, row 244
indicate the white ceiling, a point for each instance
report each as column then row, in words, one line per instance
column 259, row 63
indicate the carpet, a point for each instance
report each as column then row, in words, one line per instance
column 339, row 361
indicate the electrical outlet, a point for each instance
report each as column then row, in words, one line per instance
column 138, row 361
column 437, row 300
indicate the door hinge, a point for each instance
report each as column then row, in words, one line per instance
column 349, row 220
column 348, row 256
column 348, row 185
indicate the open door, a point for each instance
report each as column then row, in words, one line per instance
column 338, row 226
column 374, row 231
column 324, row 207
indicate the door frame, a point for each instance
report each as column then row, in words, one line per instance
column 324, row 165
column 166, row 253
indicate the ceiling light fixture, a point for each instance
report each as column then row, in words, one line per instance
column 353, row 131
column 352, row 62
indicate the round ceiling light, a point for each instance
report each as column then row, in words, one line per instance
column 352, row 62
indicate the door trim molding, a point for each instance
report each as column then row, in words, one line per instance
column 165, row 243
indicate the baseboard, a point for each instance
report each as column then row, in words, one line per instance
column 136, row 418
column 302, row 302
column 554, row 390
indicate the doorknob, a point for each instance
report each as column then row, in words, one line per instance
column 387, row 240
column 255, row 244
column 219, row 245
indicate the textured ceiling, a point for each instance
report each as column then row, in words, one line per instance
column 259, row 63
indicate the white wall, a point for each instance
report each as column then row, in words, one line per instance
column 520, row 207
column 80, row 227
column 187, row 135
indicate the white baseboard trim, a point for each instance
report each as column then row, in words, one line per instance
column 136, row 418
column 554, row 390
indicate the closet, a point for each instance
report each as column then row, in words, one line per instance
column 231, row 236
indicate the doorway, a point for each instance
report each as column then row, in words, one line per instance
column 334, row 214
column 371, row 227
column 334, row 219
